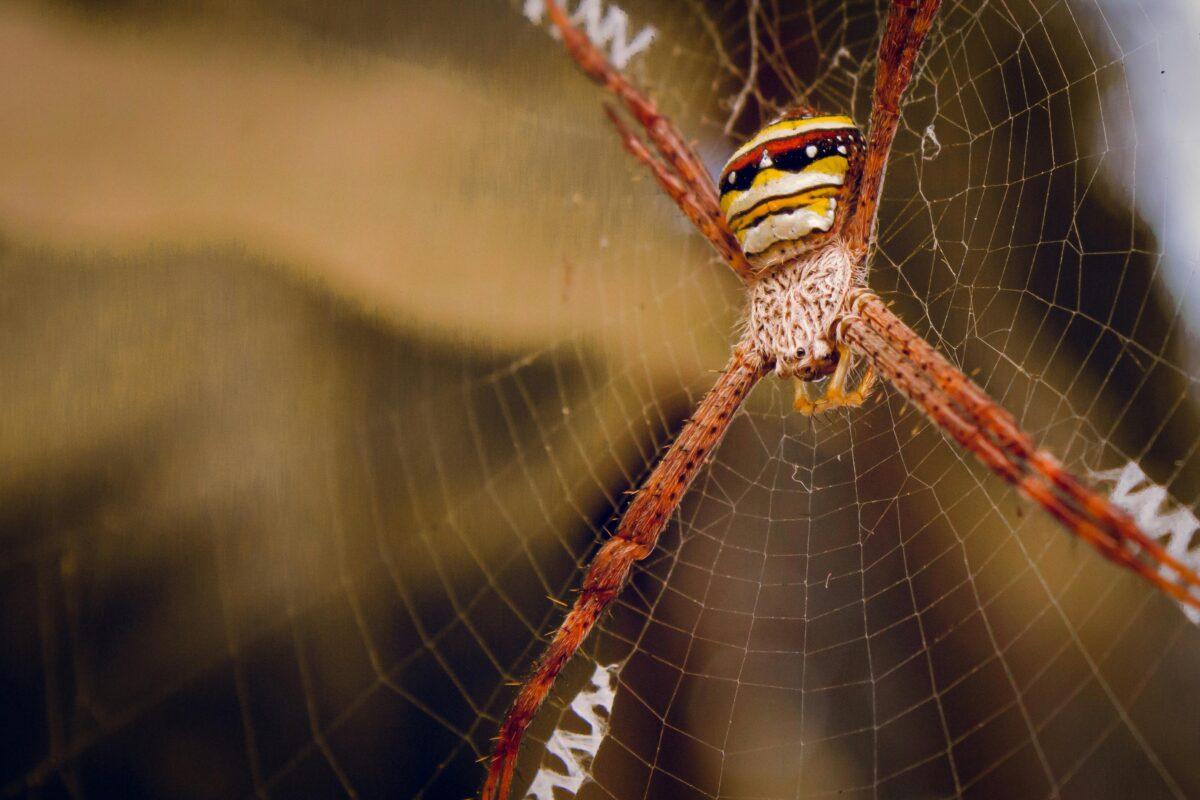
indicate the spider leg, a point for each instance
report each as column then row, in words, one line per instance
column 676, row 159
column 908, row 24
column 835, row 394
column 635, row 538
column 665, row 137
column 965, row 413
column 713, row 228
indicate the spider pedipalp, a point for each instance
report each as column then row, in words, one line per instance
column 834, row 394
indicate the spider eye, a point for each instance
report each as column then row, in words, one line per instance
column 801, row 353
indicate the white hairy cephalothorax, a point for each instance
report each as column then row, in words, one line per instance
column 794, row 308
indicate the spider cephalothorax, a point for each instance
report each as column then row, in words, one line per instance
column 794, row 309
column 781, row 191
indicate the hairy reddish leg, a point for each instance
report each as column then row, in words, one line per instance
column 908, row 24
column 661, row 131
column 713, row 228
column 966, row 414
column 635, row 538
column 678, row 169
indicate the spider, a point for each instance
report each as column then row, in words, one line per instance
column 792, row 214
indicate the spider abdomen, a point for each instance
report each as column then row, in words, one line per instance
column 781, row 191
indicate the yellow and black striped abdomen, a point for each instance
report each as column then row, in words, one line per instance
column 781, row 189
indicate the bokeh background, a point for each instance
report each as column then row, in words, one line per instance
column 334, row 334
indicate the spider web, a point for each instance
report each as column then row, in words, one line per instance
column 322, row 561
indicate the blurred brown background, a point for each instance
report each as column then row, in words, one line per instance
column 334, row 333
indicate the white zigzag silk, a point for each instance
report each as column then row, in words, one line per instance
column 1156, row 513
column 576, row 750
column 608, row 30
